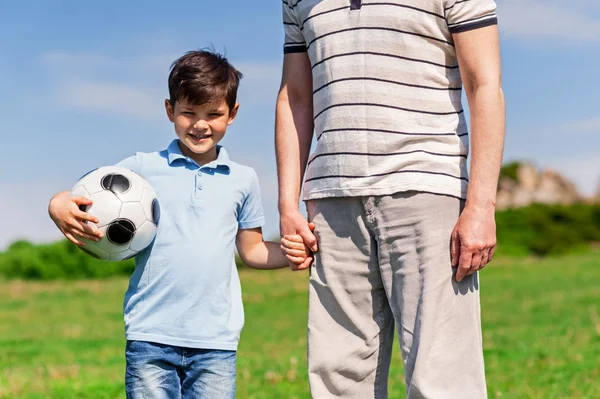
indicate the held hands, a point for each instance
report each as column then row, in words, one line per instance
column 296, row 251
column 293, row 223
column 473, row 241
column 70, row 220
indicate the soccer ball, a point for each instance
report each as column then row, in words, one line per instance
column 127, row 210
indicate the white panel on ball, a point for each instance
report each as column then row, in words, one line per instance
column 122, row 255
column 80, row 191
column 143, row 236
column 109, row 207
column 136, row 187
column 92, row 249
column 146, row 202
column 93, row 181
column 133, row 211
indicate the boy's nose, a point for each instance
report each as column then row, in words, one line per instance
column 201, row 124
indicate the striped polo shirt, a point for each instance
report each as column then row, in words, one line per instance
column 387, row 104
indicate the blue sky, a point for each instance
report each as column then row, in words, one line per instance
column 83, row 84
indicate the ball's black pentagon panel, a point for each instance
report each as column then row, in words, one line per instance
column 116, row 183
column 155, row 211
column 120, row 231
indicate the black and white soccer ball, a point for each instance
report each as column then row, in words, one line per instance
column 127, row 209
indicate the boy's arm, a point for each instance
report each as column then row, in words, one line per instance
column 260, row 254
column 71, row 220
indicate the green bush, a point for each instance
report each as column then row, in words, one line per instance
column 60, row 260
column 509, row 170
column 547, row 229
column 534, row 230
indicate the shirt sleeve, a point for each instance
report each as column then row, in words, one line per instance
column 294, row 39
column 465, row 15
column 251, row 215
column 133, row 163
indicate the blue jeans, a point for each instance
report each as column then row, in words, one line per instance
column 156, row 371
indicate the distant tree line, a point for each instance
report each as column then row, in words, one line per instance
column 538, row 230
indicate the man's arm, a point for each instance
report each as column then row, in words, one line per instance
column 474, row 237
column 293, row 137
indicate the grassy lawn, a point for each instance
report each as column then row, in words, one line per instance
column 541, row 334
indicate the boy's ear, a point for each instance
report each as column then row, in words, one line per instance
column 233, row 113
column 169, row 109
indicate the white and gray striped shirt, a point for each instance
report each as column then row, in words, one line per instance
column 387, row 93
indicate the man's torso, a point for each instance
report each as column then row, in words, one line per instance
column 387, row 97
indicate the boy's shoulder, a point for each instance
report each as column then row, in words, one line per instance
column 237, row 167
column 143, row 160
column 164, row 160
column 242, row 176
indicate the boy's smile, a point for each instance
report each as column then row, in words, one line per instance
column 200, row 127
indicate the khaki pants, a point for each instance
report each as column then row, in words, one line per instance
column 384, row 261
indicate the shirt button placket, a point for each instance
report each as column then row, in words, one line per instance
column 198, row 183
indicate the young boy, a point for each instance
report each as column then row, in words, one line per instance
column 183, row 307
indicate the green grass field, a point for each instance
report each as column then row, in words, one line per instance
column 541, row 334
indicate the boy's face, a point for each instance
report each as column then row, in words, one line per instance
column 200, row 127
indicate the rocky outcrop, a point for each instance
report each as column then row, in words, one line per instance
column 532, row 186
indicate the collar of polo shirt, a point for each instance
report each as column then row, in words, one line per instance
column 221, row 163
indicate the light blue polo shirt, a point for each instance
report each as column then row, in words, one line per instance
column 185, row 290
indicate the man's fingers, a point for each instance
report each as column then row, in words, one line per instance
column 484, row 258
column 476, row 262
column 311, row 226
column 491, row 254
column 464, row 264
column 454, row 249
column 309, row 239
column 306, row 264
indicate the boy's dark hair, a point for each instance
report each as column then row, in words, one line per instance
column 203, row 76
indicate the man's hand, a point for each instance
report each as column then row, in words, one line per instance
column 70, row 220
column 473, row 240
column 292, row 223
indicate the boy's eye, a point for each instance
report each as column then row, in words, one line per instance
column 187, row 113
column 215, row 114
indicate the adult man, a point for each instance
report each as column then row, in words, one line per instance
column 400, row 238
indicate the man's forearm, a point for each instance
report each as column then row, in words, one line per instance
column 293, row 137
column 487, row 143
